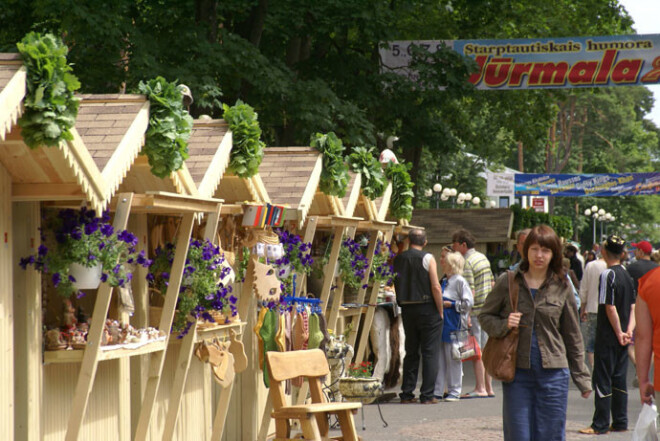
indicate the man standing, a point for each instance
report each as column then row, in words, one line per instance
column 589, row 309
column 571, row 252
column 479, row 276
column 614, row 327
column 419, row 294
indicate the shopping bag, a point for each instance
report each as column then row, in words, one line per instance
column 646, row 428
column 462, row 346
column 477, row 349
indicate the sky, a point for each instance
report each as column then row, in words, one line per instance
column 646, row 15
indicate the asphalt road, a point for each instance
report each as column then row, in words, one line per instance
column 475, row 419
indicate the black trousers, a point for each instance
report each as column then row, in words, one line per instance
column 423, row 327
column 610, row 390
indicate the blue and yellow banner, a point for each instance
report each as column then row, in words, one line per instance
column 624, row 60
column 613, row 184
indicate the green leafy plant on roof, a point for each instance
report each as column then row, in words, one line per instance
column 402, row 193
column 170, row 125
column 334, row 176
column 248, row 149
column 50, row 107
column 528, row 218
column 362, row 161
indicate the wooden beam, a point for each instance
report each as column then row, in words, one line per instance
column 308, row 236
column 349, row 209
column 93, row 347
column 11, row 97
column 310, row 190
column 157, row 359
column 171, row 203
column 369, row 317
column 338, row 295
column 27, row 325
column 187, row 346
column 385, row 203
column 217, row 167
column 46, row 192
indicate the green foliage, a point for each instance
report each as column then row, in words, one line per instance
column 402, row 190
column 170, row 126
column 334, row 177
column 50, row 107
column 362, row 161
column 528, row 218
column 248, row 149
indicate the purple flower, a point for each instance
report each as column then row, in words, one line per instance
column 76, row 234
column 164, row 275
column 80, row 294
column 104, row 277
column 116, row 269
column 107, row 230
column 150, row 277
column 25, row 261
column 91, row 228
column 72, row 279
column 42, row 250
column 128, row 237
column 101, row 246
column 56, row 278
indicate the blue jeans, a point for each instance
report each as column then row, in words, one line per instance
column 534, row 406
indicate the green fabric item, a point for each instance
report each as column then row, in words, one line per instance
column 267, row 334
column 315, row 334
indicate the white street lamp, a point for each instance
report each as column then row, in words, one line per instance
column 594, row 208
column 492, row 204
column 601, row 212
column 587, row 212
column 468, row 196
column 453, row 192
column 437, row 188
column 446, row 192
column 476, row 200
column 428, row 192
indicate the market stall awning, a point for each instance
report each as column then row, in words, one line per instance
column 487, row 225
column 12, row 91
column 209, row 148
column 350, row 200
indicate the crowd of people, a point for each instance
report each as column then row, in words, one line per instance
column 578, row 317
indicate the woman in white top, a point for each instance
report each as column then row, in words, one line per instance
column 457, row 301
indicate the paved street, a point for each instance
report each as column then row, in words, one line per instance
column 475, row 419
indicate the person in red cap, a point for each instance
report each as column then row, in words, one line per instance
column 643, row 264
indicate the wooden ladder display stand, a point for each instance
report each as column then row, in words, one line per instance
column 313, row 417
column 156, row 203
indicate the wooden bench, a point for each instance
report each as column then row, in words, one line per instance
column 313, row 417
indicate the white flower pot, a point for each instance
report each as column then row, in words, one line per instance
column 86, row 278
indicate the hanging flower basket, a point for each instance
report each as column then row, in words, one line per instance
column 364, row 390
column 86, row 277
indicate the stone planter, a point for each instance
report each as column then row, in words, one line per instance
column 86, row 278
column 364, row 390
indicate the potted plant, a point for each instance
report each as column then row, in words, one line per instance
column 359, row 385
column 204, row 292
column 81, row 241
column 296, row 260
column 381, row 269
column 352, row 264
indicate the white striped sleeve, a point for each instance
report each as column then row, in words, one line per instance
column 606, row 287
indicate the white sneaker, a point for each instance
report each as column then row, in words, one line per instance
column 451, row 398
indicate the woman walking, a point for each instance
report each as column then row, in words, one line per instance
column 549, row 346
column 457, row 301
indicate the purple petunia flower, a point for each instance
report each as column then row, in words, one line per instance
column 104, row 277
column 56, row 278
column 107, row 230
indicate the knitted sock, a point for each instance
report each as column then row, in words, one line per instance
column 257, row 329
column 324, row 330
column 280, row 337
column 304, row 315
column 315, row 334
column 267, row 332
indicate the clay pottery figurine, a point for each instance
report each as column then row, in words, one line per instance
column 54, row 340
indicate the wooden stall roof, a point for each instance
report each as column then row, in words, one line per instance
column 209, row 148
column 12, row 91
column 350, row 200
column 113, row 128
column 487, row 225
column 216, row 182
column 376, row 209
column 291, row 176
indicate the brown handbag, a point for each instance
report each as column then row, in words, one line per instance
column 499, row 354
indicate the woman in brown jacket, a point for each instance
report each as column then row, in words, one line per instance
column 550, row 343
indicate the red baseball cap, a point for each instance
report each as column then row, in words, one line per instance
column 643, row 245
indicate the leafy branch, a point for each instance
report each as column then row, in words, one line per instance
column 402, row 194
column 50, row 107
column 334, row 177
column 248, row 149
column 170, row 125
column 362, row 161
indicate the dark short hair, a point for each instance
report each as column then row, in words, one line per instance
column 464, row 235
column 523, row 232
column 547, row 238
column 417, row 237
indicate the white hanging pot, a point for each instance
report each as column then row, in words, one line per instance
column 364, row 390
column 86, row 278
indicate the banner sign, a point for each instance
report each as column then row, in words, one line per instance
column 613, row 184
column 539, row 63
column 499, row 184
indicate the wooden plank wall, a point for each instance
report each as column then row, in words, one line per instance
column 102, row 417
column 28, row 322
column 6, row 310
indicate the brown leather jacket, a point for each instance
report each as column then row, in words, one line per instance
column 553, row 314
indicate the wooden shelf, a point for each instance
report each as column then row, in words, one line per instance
column 76, row 355
column 219, row 331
